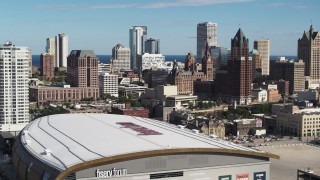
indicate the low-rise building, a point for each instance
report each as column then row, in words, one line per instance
column 181, row 101
column 260, row 95
column 44, row 94
column 133, row 89
column 293, row 121
column 108, row 84
column 242, row 127
column 312, row 95
column 137, row 112
column 214, row 128
column 273, row 95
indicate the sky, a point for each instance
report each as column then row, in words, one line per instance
column 99, row 25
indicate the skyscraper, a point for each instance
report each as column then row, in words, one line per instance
column 137, row 38
column 83, row 69
column 240, row 70
column 152, row 46
column 120, row 57
column 51, row 46
column 263, row 46
column 47, row 65
column 206, row 32
column 51, row 49
column 14, row 88
column 290, row 71
column 309, row 52
column 61, row 50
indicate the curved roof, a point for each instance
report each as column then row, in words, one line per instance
column 74, row 139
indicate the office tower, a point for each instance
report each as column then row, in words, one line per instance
column 309, row 52
column 47, row 65
column 221, row 55
column 120, row 57
column 152, row 46
column 137, row 38
column 290, row 71
column 148, row 61
column 240, row 70
column 61, row 50
column 256, row 63
column 108, row 84
column 82, row 69
column 51, row 46
column 206, row 32
column 263, row 46
column 14, row 88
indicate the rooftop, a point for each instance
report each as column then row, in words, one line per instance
column 78, row 138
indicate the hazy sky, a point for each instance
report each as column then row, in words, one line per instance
column 101, row 24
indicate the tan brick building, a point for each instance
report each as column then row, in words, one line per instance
column 47, row 65
column 44, row 94
column 273, row 95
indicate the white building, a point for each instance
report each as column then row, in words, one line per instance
column 137, row 38
column 61, row 50
column 120, row 58
column 108, row 84
column 104, row 67
column 14, row 88
column 51, row 46
column 154, row 61
column 261, row 95
column 206, row 31
column 263, row 46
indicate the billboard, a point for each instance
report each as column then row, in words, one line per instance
column 259, row 175
column 258, row 123
column 244, row 176
column 225, row 177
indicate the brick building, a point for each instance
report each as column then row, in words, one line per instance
column 47, row 65
column 235, row 84
column 44, row 94
column 137, row 112
column 273, row 95
column 185, row 79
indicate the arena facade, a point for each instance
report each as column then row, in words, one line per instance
column 105, row 146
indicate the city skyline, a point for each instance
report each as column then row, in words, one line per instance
column 94, row 26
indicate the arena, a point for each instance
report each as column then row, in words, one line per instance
column 105, row 146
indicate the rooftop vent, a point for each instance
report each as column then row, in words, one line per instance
column 195, row 131
column 28, row 142
column 47, row 152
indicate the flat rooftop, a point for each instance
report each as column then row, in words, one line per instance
column 76, row 138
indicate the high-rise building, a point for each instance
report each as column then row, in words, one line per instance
column 290, row 71
column 108, row 84
column 148, row 61
column 309, row 52
column 120, row 57
column 240, row 70
column 263, row 46
column 256, row 63
column 221, row 55
column 61, row 50
column 152, row 46
column 14, row 88
column 47, row 65
column 206, row 32
column 82, row 69
column 51, row 46
column 137, row 38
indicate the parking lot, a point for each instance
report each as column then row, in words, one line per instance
column 294, row 154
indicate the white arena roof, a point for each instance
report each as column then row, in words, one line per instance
column 65, row 140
